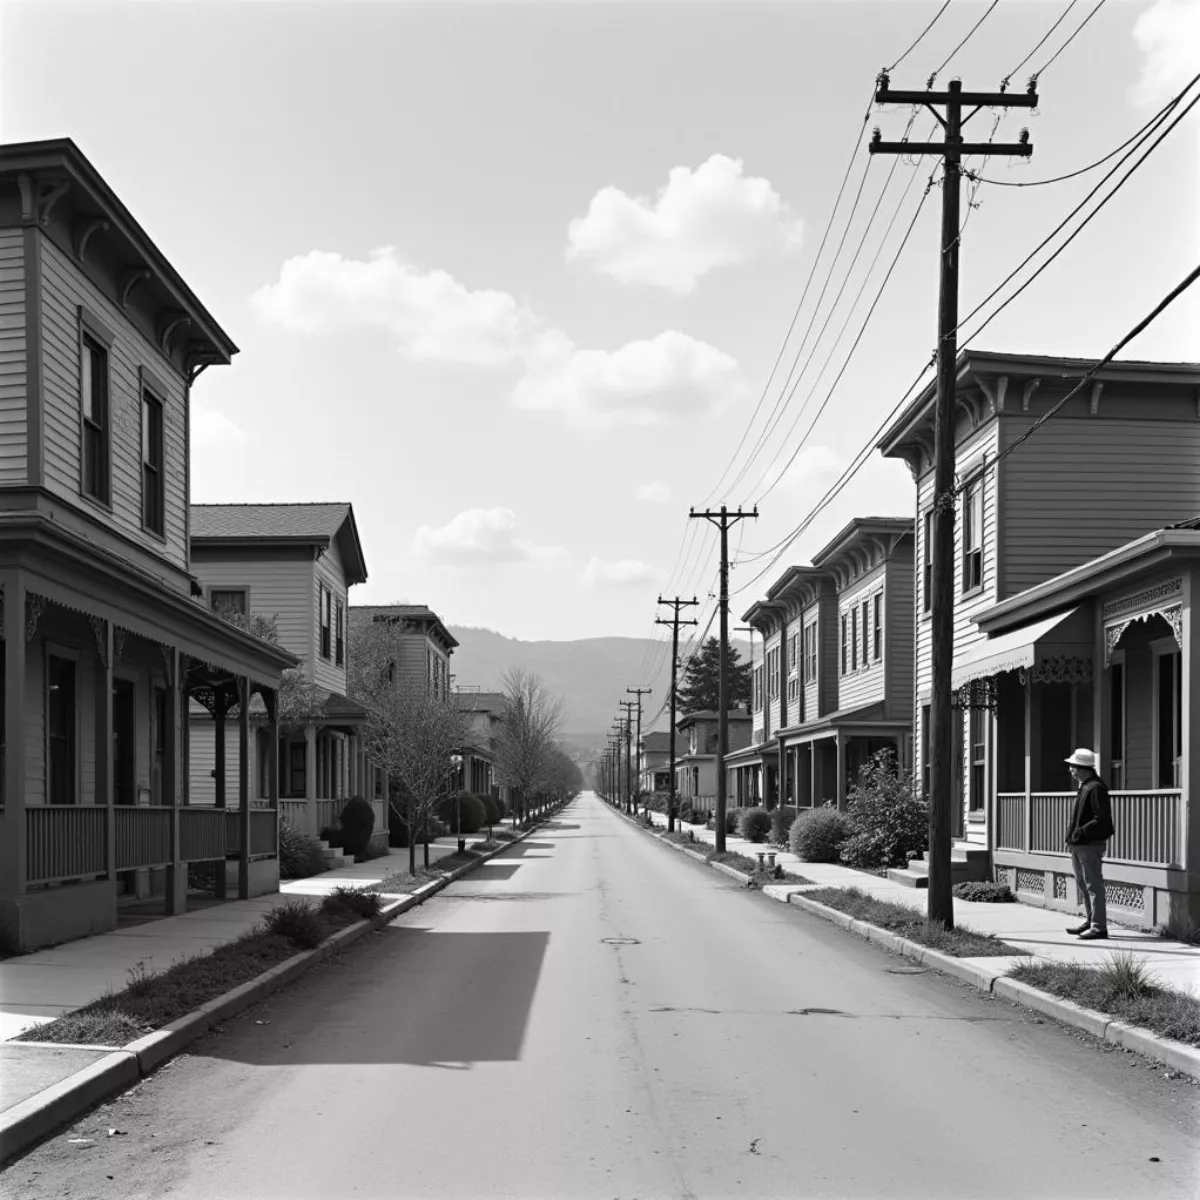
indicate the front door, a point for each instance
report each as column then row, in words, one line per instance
column 124, row 743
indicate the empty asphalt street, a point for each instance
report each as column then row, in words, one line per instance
column 594, row 1015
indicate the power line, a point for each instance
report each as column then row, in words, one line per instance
column 1079, row 29
column 920, row 38
column 961, row 44
column 1045, row 38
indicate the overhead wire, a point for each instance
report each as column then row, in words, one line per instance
column 970, row 35
column 920, row 37
column 1045, row 38
column 1079, row 29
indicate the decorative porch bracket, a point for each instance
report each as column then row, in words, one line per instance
column 34, row 604
column 1164, row 600
column 976, row 693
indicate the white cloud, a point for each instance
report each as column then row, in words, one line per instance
column 478, row 537
column 656, row 493
column 625, row 572
column 712, row 217
column 643, row 383
column 211, row 428
column 1168, row 34
column 433, row 316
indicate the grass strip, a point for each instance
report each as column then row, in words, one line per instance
column 906, row 923
column 1123, row 988
column 153, row 999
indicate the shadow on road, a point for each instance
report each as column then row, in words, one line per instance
column 421, row 998
column 491, row 872
column 524, row 847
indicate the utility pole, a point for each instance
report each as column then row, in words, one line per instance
column 675, row 621
column 637, row 746
column 951, row 149
column 617, row 734
column 723, row 519
column 629, row 706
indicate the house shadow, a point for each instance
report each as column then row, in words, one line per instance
column 522, row 848
column 491, row 871
column 416, row 997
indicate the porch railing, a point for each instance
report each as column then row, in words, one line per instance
column 295, row 813
column 201, row 833
column 1148, row 825
column 143, row 837
column 65, row 841
column 328, row 812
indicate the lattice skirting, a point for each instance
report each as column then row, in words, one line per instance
column 1030, row 881
column 1125, row 895
column 1061, row 885
column 1002, row 875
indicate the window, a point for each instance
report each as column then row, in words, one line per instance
column 978, row 782
column 325, row 614
column 773, row 673
column 94, row 405
column 297, row 769
column 877, row 606
column 793, row 689
column 60, row 729
column 854, row 638
column 866, row 632
column 757, row 679
column 845, row 644
column 793, row 656
column 341, row 633
column 153, row 493
column 1169, row 714
column 925, row 751
column 810, row 634
column 972, row 535
column 927, row 562
column 228, row 601
column 1117, row 728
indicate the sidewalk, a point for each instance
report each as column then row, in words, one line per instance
column 1039, row 931
column 36, row 988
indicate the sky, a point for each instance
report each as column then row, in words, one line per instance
column 512, row 278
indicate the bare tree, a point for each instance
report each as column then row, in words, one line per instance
column 525, row 746
column 410, row 732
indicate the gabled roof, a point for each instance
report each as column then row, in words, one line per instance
column 315, row 524
column 488, row 702
column 656, row 742
column 417, row 614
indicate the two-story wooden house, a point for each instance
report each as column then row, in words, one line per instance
column 836, row 667
column 654, row 764
column 104, row 642
column 485, row 717
column 426, row 645
column 1073, row 611
column 293, row 564
column 696, row 754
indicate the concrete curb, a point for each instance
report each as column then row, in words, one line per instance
column 38, row 1116
column 1176, row 1055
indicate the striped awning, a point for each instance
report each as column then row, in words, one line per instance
column 1066, row 635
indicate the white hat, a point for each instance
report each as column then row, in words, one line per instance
column 1083, row 758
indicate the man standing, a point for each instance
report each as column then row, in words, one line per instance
column 1091, row 826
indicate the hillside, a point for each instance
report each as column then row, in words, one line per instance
column 591, row 675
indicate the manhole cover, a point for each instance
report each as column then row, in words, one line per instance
column 621, row 941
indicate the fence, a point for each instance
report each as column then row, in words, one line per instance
column 65, row 841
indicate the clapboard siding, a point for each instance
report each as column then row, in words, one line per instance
column 64, row 289
column 966, row 609
column 827, row 654
column 202, row 751
column 864, row 685
column 330, row 572
column 898, row 600
column 1084, row 486
column 282, row 588
column 14, row 443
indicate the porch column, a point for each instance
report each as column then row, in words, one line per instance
column 271, row 699
column 243, row 700
column 310, row 779
column 12, row 812
column 220, row 711
column 1033, row 753
column 176, row 882
column 105, row 779
column 813, row 774
column 1189, row 660
column 841, row 772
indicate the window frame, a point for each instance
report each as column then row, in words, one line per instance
column 153, row 396
column 340, row 633
column 811, row 657
column 877, row 624
column 866, row 635
column 927, row 561
column 92, row 330
column 971, row 557
column 854, row 637
column 214, row 590
column 324, row 621
column 845, row 644
column 977, row 761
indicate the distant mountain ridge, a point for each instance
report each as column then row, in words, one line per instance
column 590, row 674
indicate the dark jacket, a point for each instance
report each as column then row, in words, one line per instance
column 1091, row 818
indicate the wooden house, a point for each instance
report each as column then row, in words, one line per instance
column 104, row 640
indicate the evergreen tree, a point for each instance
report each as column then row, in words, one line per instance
column 699, row 690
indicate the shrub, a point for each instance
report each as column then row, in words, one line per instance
column 352, row 900
column 817, row 835
column 493, row 809
column 437, row 828
column 781, row 824
column 358, row 823
column 299, row 855
column 1126, row 977
column 753, row 824
column 296, row 921
column 984, row 893
column 889, row 821
column 470, row 810
column 733, row 817
column 684, row 811
column 333, row 835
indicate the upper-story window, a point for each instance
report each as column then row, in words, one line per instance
column 153, row 482
column 927, row 562
column 227, row 601
column 810, row 653
column 854, row 638
column 325, row 613
column 845, row 643
column 877, row 608
column 773, row 673
column 793, row 654
column 972, row 535
column 340, row 632
column 757, row 688
column 866, row 632
column 94, row 409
